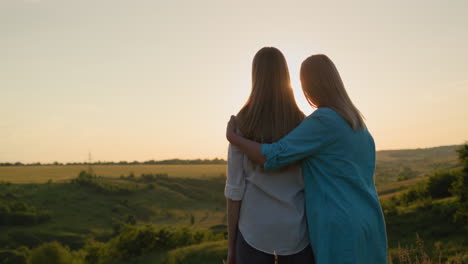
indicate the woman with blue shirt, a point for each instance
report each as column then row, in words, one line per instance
column 337, row 153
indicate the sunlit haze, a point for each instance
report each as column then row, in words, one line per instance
column 140, row 80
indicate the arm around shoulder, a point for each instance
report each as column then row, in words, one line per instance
column 306, row 140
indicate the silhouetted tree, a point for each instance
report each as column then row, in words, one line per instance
column 460, row 187
column 440, row 183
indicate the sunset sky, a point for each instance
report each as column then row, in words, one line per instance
column 140, row 80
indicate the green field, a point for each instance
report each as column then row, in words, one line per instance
column 80, row 213
column 42, row 174
column 391, row 189
column 117, row 216
column 390, row 165
column 413, row 163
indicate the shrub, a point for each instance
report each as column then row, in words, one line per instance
column 133, row 241
column 440, row 183
column 389, row 207
column 100, row 185
column 460, row 187
column 21, row 213
column 94, row 251
column 51, row 253
column 417, row 192
column 153, row 177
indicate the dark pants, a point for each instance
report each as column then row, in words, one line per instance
column 245, row 254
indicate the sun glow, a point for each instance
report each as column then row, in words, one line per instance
column 156, row 81
column 295, row 60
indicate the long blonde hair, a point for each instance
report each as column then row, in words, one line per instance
column 271, row 111
column 323, row 87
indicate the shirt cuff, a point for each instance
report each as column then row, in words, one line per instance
column 272, row 154
column 234, row 192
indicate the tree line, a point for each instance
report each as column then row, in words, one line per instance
column 215, row 161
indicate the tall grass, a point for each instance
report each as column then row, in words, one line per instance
column 418, row 254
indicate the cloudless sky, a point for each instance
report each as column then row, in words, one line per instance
column 140, row 80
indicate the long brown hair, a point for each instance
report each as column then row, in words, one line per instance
column 323, row 87
column 271, row 111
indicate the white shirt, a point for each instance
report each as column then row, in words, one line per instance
column 272, row 216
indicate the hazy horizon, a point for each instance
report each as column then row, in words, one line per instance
column 145, row 80
column 182, row 158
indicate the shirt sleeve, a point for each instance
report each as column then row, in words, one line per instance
column 307, row 139
column 235, row 182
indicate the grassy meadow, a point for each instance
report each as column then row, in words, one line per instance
column 176, row 213
column 57, row 173
column 392, row 166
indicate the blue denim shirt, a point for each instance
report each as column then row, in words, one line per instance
column 344, row 216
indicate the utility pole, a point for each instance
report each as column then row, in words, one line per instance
column 90, row 160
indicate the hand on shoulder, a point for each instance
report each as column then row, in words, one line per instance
column 231, row 129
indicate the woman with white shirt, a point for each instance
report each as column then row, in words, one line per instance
column 266, row 217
